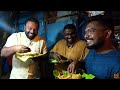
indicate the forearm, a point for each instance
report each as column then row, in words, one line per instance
column 51, row 55
column 56, row 56
column 7, row 51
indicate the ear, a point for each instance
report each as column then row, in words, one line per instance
column 108, row 33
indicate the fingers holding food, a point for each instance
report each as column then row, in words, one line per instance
column 22, row 49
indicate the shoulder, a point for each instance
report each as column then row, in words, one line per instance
column 90, row 53
column 115, row 57
column 116, row 53
column 38, row 38
column 62, row 41
column 14, row 35
column 81, row 43
column 17, row 33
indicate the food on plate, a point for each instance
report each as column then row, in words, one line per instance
column 76, row 76
column 70, row 76
column 66, row 75
column 26, row 56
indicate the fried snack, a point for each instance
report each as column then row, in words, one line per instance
column 64, row 77
column 70, row 76
column 76, row 76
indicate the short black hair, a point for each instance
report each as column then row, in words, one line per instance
column 69, row 26
column 32, row 19
column 104, row 20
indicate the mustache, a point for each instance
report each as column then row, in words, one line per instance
column 89, row 39
column 30, row 33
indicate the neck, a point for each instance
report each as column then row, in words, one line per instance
column 71, row 44
column 107, row 47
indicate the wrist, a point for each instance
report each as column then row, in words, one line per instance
column 75, row 62
column 15, row 48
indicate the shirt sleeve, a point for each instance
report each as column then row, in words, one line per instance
column 54, row 49
column 44, row 47
column 11, row 40
column 86, row 51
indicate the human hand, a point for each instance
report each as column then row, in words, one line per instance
column 73, row 66
column 57, row 56
column 22, row 49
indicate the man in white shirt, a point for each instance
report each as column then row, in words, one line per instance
column 22, row 42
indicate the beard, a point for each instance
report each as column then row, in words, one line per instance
column 29, row 35
column 97, row 45
column 70, row 41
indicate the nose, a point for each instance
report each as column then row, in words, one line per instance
column 69, row 36
column 33, row 31
column 86, row 35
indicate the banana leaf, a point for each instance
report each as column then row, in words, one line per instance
column 55, row 61
column 88, row 76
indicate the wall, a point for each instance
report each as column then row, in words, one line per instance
column 36, row 14
column 51, row 32
column 54, row 32
column 5, row 30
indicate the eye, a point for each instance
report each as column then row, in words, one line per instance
column 90, row 31
column 29, row 28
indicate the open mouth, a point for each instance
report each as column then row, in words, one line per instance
column 69, row 39
column 30, row 34
column 90, row 42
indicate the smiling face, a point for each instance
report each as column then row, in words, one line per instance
column 31, row 29
column 95, row 35
column 70, row 36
